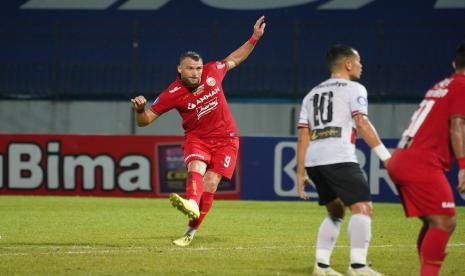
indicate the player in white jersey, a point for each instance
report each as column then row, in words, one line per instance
column 332, row 115
column 329, row 108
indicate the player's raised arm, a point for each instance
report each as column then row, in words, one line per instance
column 239, row 55
column 370, row 136
column 143, row 116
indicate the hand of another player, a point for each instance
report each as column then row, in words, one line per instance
column 259, row 28
column 461, row 182
column 386, row 163
column 138, row 103
column 302, row 180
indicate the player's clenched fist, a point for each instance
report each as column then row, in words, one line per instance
column 138, row 103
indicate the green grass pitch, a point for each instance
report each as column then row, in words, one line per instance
column 121, row 236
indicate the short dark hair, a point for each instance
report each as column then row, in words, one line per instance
column 338, row 52
column 459, row 58
column 190, row 54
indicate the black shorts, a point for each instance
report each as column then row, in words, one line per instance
column 342, row 180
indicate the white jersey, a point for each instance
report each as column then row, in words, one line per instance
column 327, row 111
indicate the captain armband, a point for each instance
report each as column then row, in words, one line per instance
column 382, row 152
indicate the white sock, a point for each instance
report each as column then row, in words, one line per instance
column 360, row 236
column 191, row 231
column 326, row 239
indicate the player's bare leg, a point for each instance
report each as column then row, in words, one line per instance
column 421, row 235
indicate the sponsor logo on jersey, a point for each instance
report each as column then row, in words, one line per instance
column 208, row 96
column 205, row 104
column 174, row 89
column 198, row 155
column 199, row 90
column 362, row 100
column 220, row 65
column 191, row 106
column 207, row 108
column 211, row 81
column 448, row 205
column 331, row 84
column 327, row 132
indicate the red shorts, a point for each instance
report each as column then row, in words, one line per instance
column 220, row 154
column 423, row 187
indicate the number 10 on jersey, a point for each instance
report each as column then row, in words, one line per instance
column 322, row 108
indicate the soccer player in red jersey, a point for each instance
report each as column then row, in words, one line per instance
column 211, row 139
column 435, row 136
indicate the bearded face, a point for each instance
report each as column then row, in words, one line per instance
column 191, row 72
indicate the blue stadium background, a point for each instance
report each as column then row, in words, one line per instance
column 113, row 53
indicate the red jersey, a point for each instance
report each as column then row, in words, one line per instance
column 428, row 132
column 204, row 110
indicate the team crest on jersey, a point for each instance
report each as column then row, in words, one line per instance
column 220, row 65
column 211, row 81
column 362, row 100
column 174, row 89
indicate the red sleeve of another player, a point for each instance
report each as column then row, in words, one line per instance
column 457, row 101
